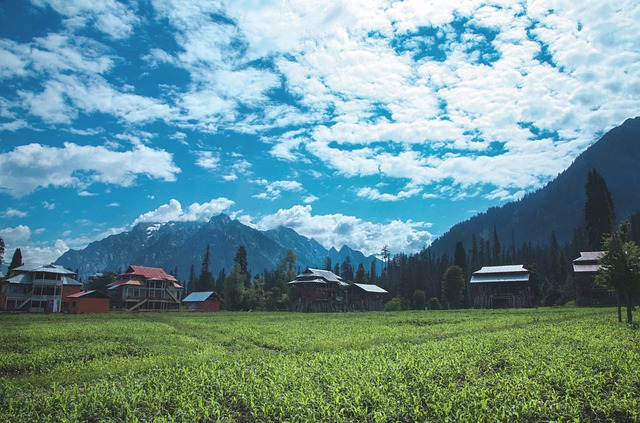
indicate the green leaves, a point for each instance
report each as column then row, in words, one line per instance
column 473, row 365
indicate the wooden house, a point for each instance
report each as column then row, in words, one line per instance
column 85, row 302
column 145, row 288
column 502, row 287
column 366, row 297
column 202, row 301
column 318, row 290
column 38, row 288
column 588, row 292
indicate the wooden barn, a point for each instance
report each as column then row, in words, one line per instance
column 318, row 290
column 145, row 288
column 85, row 302
column 588, row 292
column 366, row 297
column 502, row 287
column 202, row 301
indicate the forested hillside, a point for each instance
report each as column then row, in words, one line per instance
column 545, row 230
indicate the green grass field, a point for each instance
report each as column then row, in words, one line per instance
column 560, row 364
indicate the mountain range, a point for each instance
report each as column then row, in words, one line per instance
column 558, row 207
column 181, row 244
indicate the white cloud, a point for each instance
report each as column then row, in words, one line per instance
column 12, row 236
column 11, row 212
column 49, row 206
column 32, row 166
column 109, row 16
column 336, row 230
column 275, row 188
column 207, row 160
column 173, row 212
column 310, row 199
column 115, row 204
column 374, row 194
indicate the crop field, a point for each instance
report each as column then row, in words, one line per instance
column 547, row 364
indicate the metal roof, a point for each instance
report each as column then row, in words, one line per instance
column 585, row 268
column 88, row 294
column 149, row 273
column 49, row 268
column 589, row 256
column 497, row 278
column 317, row 280
column 196, row 297
column 325, row 274
column 513, row 268
column 25, row 278
column 370, row 288
column 497, row 274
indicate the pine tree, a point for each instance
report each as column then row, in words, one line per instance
column 599, row 214
column 327, row 264
column 16, row 260
column 496, row 255
column 346, row 269
column 453, row 287
column 206, row 281
column 361, row 275
column 241, row 259
column 1, row 250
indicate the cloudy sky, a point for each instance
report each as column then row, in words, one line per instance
column 359, row 122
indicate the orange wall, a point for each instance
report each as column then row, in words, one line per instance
column 88, row 305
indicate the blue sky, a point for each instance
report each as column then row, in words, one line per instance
column 354, row 122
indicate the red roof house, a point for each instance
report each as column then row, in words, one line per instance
column 145, row 288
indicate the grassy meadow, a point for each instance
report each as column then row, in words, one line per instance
column 546, row 364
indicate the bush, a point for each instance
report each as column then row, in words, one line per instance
column 434, row 304
column 394, row 305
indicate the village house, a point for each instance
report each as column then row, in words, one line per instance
column 145, row 288
column 318, row 290
column 502, row 287
column 588, row 292
column 85, row 302
column 202, row 301
column 323, row 290
column 38, row 288
column 366, row 297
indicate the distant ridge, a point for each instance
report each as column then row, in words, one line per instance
column 182, row 244
column 558, row 206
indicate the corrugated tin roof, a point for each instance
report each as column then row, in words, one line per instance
column 326, row 274
column 371, row 288
column 50, row 268
column 514, row 268
column 589, row 256
column 586, row 268
column 317, row 280
column 498, row 278
column 20, row 278
column 66, row 280
column 25, row 278
column 196, row 297
column 90, row 293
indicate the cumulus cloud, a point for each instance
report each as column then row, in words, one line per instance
column 336, row 230
column 275, row 188
column 33, row 166
column 173, row 212
column 12, row 236
column 207, row 160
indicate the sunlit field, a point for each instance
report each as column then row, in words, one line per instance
column 560, row 364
